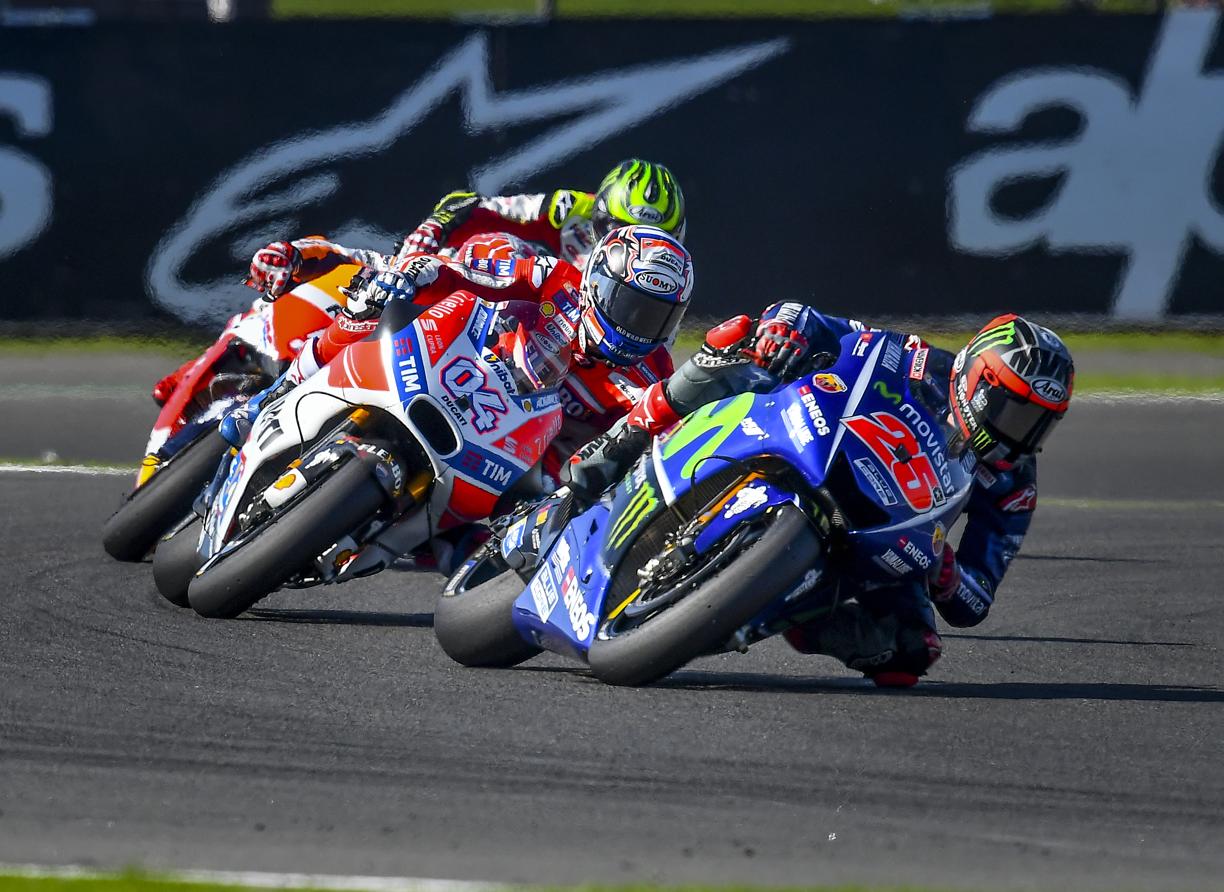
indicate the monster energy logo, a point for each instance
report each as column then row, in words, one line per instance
column 981, row 439
column 999, row 336
column 720, row 422
column 883, row 390
column 639, row 508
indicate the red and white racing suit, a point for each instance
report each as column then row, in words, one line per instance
column 559, row 221
column 593, row 395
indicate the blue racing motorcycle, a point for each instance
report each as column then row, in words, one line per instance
column 737, row 523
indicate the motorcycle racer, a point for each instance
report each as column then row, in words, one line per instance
column 567, row 222
column 1001, row 395
column 620, row 314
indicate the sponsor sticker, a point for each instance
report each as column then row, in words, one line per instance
column 752, row 429
column 544, row 594
column 796, row 427
column 582, row 621
column 1048, row 389
column 912, row 551
column 892, row 356
column 918, row 364
column 875, row 478
column 1024, row 499
column 829, row 383
column 747, row 498
column 806, row 584
column 892, row 562
column 938, row 538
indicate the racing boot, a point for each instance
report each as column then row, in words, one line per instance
column 889, row 652
column 236, row 426
column 604, row 461
column 446, row 552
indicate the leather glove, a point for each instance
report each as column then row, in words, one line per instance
column 447, row 214
column 273, row 269
column 943, row 578
column 779, row 349
column 603, row 462
column 369, row 292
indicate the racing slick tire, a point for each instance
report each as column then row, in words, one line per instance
column 288, row 543
column 704, row 620
column 165, row 499
column 474, row 626
column 175, row 563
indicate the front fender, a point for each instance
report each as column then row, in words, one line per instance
column 752, row 497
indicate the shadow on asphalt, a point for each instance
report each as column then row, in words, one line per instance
column 341, row 617
column 1056, row 640
column 1096, row 559
column 744, row 681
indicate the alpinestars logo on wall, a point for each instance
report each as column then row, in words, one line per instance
column 1137, row 173
column 605, row 103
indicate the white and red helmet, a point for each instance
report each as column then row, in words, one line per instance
column 635, row 290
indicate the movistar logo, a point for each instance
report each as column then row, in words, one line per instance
column 644, row 502
column 883, row 390
column 999, row 336
column 718, row 420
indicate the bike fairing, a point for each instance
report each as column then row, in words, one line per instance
column 469, row 478
column 699, row 449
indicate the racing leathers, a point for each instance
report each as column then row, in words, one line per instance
column 559, row 221
column 593, row 395
column 887, row 632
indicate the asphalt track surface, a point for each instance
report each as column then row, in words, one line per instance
column 1074, row 740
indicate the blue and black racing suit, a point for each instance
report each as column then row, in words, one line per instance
column 880, row 629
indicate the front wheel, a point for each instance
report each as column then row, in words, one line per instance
column 288, row 543
column 175, row 563
column 165, row 499
column 473, row 624
column 705, row 619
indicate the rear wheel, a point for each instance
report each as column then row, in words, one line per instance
column 165, row 499
column 175, row 563
column 473, row 624
column 704, row 620
column 289, row 543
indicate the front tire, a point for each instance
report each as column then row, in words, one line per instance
column 290, row 542
column 165, row 499
column 474, row 625
column 705, row 619
column 175, row 563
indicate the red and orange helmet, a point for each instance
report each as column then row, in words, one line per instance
column 1010, row 384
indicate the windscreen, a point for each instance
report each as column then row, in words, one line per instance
column 533, row 340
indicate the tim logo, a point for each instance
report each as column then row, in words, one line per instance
column 1136, row 176
column 257, row 199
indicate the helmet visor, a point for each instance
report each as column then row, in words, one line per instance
column 635, row 313
column 1017, row 421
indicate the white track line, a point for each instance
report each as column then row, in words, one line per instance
column 1148, row 397
column 84, row 470
column 264, row 880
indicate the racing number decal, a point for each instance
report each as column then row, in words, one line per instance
column 465, row 382
column 895, row 445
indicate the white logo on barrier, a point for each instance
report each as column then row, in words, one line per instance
column 1137, row 173
column 25, row 184
column 592, row 108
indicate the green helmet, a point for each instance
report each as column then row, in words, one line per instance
column 639, row 192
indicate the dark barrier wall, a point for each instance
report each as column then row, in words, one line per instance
column 1060, row 165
